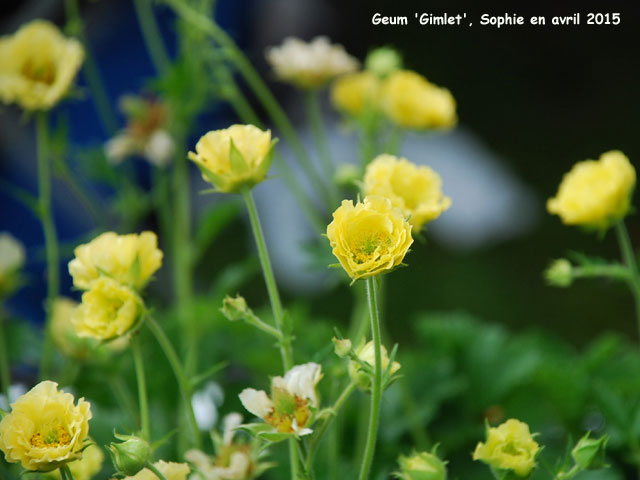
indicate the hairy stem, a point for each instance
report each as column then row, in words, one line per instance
column 142, row 387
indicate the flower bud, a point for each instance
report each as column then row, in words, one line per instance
column 422, row 466
column 130, row 456
column 559, row 273
column 366, row 354
column 589, row 452
column 235, row 308
column 347, row 173
column 342, row 346
column 382, row 61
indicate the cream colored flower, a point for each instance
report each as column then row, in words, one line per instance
column 234, row 158
column 369, row 238
column 416, row 190
column 312, row 64
column 366, row 353
column 129, row 259
column 108, row 310
column 509, row 446
column 287, row 409
column 410, row 100
column 170, row 470
column 38, row 65
column 595, row 193
column 12, row 257
column 85, row 468
column 356, row 93
column 45, row 429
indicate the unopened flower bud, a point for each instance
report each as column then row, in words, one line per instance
column 382, row 61
column 422, row 466
column 342, row 346
column 559, row 273
column 347, row 173
column 235, row 308
column 589, row 452
column 131, row 455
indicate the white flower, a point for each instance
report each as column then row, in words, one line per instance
column 312, row 64
column 159, row 148
column 301, row 380
column 11, row 254
column 256, row 402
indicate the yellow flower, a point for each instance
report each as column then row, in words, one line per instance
column 45, row 429
column 234, row 158
column 85, row 468
column 37, row 65
column 509, row 446
column 356, row 92
column 108, row 310
column 416, row 190
column 170, row 470
column 366, row 353
column 310, row 64
column 595, row 193
column 129, row 259
column 371, row 238
column 410, row 100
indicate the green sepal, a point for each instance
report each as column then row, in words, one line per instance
column 238, row 163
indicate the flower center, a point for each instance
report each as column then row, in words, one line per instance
column 41, row 72
column 282, row 418
column 368, row 244
column 52, row 437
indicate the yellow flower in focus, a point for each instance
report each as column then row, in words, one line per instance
column 595, row 193
column 170, row 470
column 366, row 353
column 108, row 310
column 356, row 92
column 415, row 190
column 369, row 238
column 234, row 158
column 310, row 64
column 509, row 446
column 45, row 429
column 411, row 101
column 85, row 468
column 129, row 259
column 37, row 65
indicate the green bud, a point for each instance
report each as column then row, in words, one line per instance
column 347, row 173
column 422, row 466
column 131, row 455
column 382, row 61
column 342, row 346
column 235, row 308
column 559, row 273
column 589, row 452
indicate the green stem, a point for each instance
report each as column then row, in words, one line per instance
column 619, row 272
column 5, row 372
column 376, row 388
column 183, row 381
column 65, row 472
column 568, row 475
column 316, row 123
column 630, row 261
column 98, row 92
column 276, row 306
column 151, row 35
column 326, row 422
column 155, row 471
column 255, row 82
column 142, row 387
column 50, row 238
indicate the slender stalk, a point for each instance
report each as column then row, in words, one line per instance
column 5, row 372
column 151, row 35
column 567, row 475
column 630, row 261
column 376, row 388
column 142, row 388
column 276, row 306
column 183, row 381
column 255, row 82
column 98, row 91
column 326, row 422
column 65, row 472
column 50, row 238
column 156, row 472
column 314, row 115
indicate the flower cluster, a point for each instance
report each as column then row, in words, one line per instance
column 112, row 269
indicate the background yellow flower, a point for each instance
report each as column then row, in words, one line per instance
column 38, row 65
column 595, row 193
column 369, row 238
column 170, row 470
column 416, row 190
column 86, row 467
column 354, row 92
column 45, row 429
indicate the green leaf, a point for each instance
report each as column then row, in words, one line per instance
column 239, row 165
